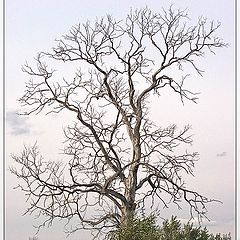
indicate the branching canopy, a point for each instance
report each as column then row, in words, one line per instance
column 119, row 157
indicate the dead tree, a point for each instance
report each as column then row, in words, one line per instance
column 118, row 158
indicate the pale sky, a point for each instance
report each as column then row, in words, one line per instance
column 33, row 25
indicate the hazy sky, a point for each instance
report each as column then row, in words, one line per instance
column 33, row 25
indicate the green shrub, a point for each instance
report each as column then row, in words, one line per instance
column 137, row 229
column 173, row 230
column 146, row 229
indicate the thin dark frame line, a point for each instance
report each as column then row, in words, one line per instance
column 236, row 124
column 4, row 124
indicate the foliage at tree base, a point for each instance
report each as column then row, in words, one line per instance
column 146, row 229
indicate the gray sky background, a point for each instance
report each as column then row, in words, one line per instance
column 33, row 25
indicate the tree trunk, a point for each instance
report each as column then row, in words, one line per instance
column 131, row 184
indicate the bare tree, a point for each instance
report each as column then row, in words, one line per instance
column 118, row 157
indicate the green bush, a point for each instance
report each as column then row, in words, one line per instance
column 137, row 229
column 173, row 230
column 146, row 229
